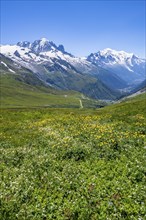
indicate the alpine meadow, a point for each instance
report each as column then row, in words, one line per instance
column 74, row 163
column 72, row 134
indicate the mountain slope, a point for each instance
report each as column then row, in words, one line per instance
column 111, row 79
column 128, row 67
column 104, row 75
column 141, row 86
column 59, row 69
column 21, row 88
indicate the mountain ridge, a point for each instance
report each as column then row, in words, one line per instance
column 61, row 70
column 127, row 66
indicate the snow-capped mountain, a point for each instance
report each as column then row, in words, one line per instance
column 57, row 68
column 44, row 52
column 32, row 52
column 127, row 66
column 98, row 74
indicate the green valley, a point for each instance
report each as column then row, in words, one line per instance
column 16, row 92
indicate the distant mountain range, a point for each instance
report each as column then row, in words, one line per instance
column 127, row 66
column 106, row 75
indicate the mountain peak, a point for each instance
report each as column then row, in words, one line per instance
column 116, row 53
column 42, row 45
column 61, row 48
column 24, row 44
column 107, row 50
column 44, row 39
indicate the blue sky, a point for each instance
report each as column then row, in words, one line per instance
column 81, row 26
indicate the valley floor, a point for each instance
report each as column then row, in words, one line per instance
column 73, row 163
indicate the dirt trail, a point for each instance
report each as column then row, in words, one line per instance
column 81, row 104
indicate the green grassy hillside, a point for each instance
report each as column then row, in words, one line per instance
column 74, row 163
column 65, row 81
column 16, row 92
column 19, row 87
